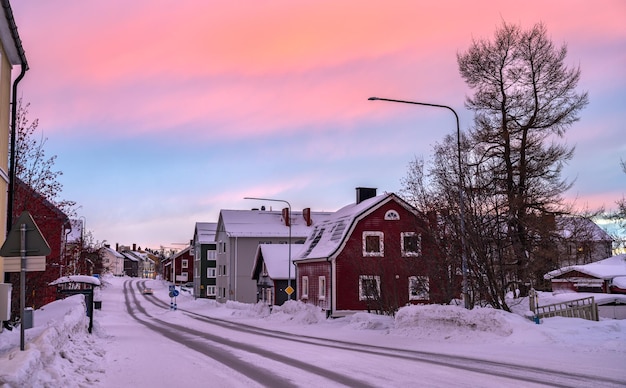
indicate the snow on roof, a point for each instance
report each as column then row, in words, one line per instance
column 264, row 223
column 581, row 228
column 76, row 279
column 76, row 233
column 205, row 232
column 130, row 256
column 112, row 251
column 620, row 282
column 276, row 258
column 604, row 269
column 180, row 253
column 329, row 234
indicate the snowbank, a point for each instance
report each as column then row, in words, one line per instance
column 55, row 347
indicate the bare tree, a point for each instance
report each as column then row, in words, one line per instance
column 32, row 165
column 37, row 190
column 524, row 101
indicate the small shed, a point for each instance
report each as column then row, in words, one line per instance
column 604, row 276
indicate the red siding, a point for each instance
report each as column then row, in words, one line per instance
column 52, row 223
column 393, row 269
column 313, row 271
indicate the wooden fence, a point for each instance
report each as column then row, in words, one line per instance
column 585, row 308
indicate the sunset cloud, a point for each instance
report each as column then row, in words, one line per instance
column 188, row 106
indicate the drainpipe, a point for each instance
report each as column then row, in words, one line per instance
column 24, row 67
column 329, row 312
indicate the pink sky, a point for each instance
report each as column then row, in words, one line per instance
column 172, row 76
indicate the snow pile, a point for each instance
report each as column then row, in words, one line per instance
column 59, row 349
column 446, row 322
column 298, row 312
column 366, row 321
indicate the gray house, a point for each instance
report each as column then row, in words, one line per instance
column 582, row 241
column 240, row 232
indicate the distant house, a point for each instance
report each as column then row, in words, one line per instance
column 146, row 264
column 372, row 255
column 604, row 276
column 113, row 260
column 240, row 232
column 271, row 272
column 581, row 241
column 131, row 264
column 178, row 268
column 205, row 260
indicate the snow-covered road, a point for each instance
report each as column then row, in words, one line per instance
column 139, row 342
column 274, row 358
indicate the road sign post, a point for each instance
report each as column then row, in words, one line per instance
column 26, row 239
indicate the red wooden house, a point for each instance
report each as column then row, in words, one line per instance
column 178, row 268
column 374, row 255
column 54, row 226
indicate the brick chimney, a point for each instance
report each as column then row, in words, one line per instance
column 363, row 193
column 306, row 214
column 286, row 216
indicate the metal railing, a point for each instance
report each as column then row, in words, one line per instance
column 585, row 308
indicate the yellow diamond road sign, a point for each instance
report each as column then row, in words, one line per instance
column 289, row 290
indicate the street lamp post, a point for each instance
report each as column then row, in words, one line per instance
column 289, row 248
column 461, row 204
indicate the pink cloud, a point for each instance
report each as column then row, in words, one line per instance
column 254, row 68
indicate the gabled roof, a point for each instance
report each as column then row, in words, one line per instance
column 604, row 269
column 112, row 252
column 328, row 236
column 10, row 38
column 130, row 256
column 264, row 223
column 581, row 228
column 276, row 259
column 178, row 254
column 205, row 232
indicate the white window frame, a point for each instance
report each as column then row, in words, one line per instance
column 321, row 287
column 381, row 241
column 424, row 294
column 362, row 295
column 305, row 287
column 210, row 290
column 211, row 272
column 406, row 253
column 392, row 215
column 184, row 263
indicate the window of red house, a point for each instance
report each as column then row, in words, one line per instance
column 373, row 244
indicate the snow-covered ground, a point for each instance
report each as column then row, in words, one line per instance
column 61, row 353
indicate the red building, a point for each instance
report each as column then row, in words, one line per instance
column 54, row 226
column 179, row 267
column 605, row 276
column 374, row 255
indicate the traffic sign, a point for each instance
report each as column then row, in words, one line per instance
column 35, row 246
column 289, row 290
